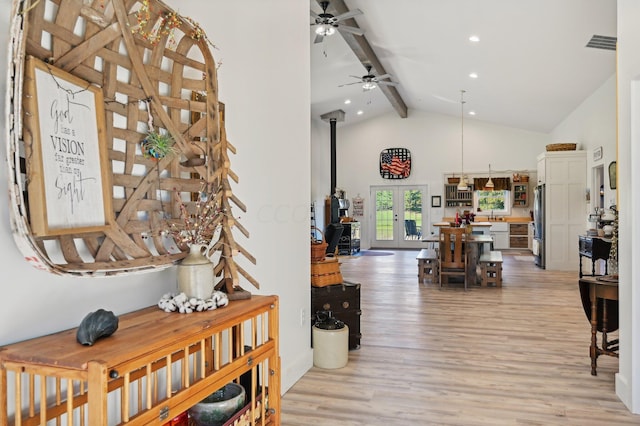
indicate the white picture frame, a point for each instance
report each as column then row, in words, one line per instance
column 597, row 154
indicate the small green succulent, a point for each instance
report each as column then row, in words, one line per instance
column 157, row 145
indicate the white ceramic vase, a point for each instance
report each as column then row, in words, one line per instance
column 195, row 274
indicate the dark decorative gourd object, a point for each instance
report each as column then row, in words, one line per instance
column 95, row 325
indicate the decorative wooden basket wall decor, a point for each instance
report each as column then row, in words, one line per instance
column 153, row 71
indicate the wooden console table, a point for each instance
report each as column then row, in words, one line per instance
column 594, row 248
column 154, row 367
column 602, row 294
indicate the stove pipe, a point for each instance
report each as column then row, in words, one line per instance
column 333, row 117
column 332, row 123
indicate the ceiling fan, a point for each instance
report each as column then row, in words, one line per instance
column 327, row 23
column 371, row 81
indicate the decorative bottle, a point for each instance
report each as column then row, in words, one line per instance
column 195, row 274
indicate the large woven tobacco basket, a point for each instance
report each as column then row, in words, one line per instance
column 152, row 71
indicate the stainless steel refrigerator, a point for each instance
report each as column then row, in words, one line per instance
column 538, row 226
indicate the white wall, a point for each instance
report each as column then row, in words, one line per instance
column 593, row 124
column 628, row 378
column 264, row 82
column 37, row 303
column 435, row 143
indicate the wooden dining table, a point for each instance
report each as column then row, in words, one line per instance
column 473, row 245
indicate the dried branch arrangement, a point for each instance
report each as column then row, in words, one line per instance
column 157, row 76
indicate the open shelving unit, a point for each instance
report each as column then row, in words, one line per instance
column 521, row 194
column 455, row 198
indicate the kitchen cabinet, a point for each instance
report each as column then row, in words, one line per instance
column 500, row 233
column 455, row 198
column 153, row 368
column 520, row 194
column 519, row 235
column 563, row 218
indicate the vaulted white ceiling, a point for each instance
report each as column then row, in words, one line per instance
column 532, row 62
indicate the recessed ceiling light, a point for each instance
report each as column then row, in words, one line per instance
column 473, row 75
column 472, row 113
column 360, row 112
column 474, row 38
column 347, row 101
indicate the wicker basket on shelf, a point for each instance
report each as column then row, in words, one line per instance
column 318, row 247
column 561, row 147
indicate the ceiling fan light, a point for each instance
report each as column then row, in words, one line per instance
column 325, row 30
column 369, row 85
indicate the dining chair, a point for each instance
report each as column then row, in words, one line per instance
column 452, row 258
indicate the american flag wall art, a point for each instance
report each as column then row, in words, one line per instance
column 395, row 163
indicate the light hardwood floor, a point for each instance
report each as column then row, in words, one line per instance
column 516, row 355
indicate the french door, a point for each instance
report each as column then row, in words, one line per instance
column 398, row 216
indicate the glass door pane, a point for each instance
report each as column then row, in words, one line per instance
column 412, row 214
column 398, row 216
column 384, row 215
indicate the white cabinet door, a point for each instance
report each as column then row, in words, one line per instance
column 500, row 234
column 500, row 240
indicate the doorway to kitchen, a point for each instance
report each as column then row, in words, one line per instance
column 598, row 186
column 398, row 216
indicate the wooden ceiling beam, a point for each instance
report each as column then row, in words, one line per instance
column 365, row 54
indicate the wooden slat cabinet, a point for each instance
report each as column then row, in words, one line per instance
column 518, row 235
column 154, row 367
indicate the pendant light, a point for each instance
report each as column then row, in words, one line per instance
column 489, row 184
column 462, row 186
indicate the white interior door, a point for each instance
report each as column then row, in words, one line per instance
column 398, row 216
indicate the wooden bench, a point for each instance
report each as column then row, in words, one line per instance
column 427, row 265
column 491, row 268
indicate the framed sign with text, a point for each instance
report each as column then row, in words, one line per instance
column 67, row 161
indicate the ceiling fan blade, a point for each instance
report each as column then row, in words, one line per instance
column 318, row 39
column 347, row 15
column 442, row 98
column 349, row 84
column 356, row 76
column 352, row 30
column 383, row 76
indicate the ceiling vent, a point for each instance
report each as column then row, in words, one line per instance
column 602, row 42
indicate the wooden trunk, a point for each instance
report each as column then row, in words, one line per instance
column 344, row 301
